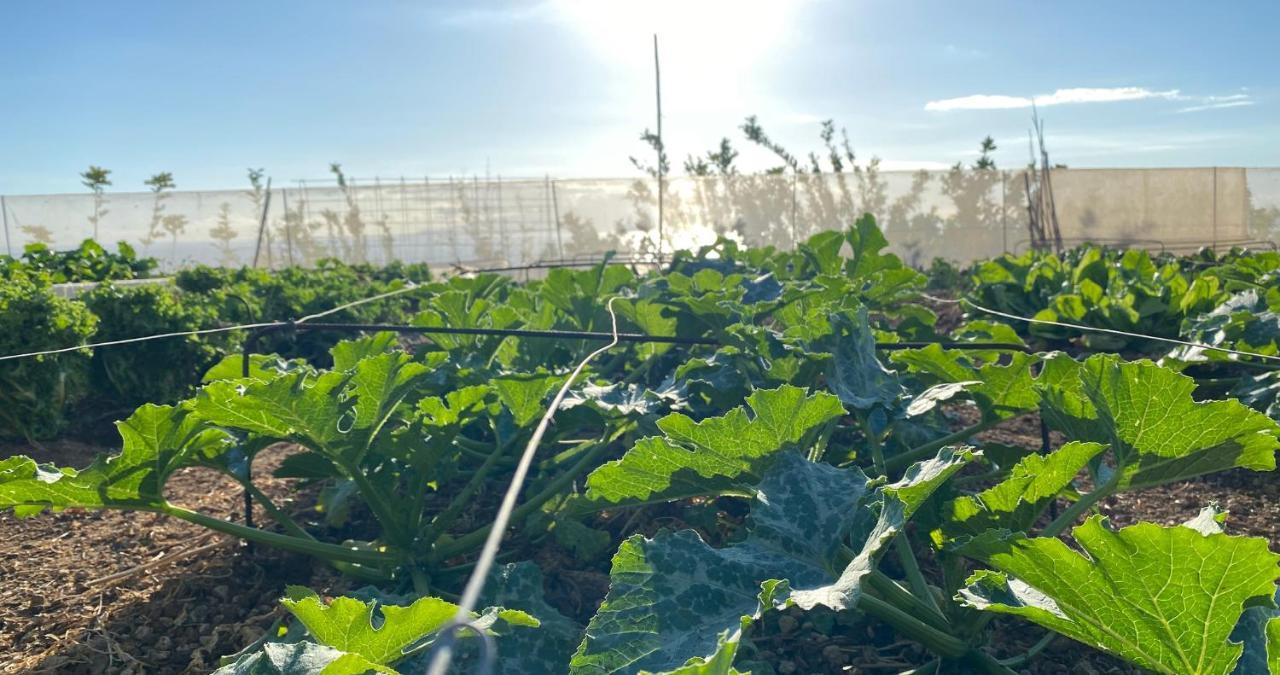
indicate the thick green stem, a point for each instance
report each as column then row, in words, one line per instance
column 819, row 450
column 1031, row 653
column 555, row 487
column 915, row 577
column 889, row 590
column 441, row 523
column 277, row 514
column 900, row 461
column 393, row 526
column 281, row 541
column 937, row 641
column 1083, row 504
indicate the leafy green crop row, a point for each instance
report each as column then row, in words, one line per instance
column 89, row 262
column 806, row 469
column 43, row 395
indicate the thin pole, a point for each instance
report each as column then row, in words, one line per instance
column 795, row 186
column 288, row 229
column 453, row 216
column 502, row 228
column 1215, row 209
column 657, row 82
column 262, row 224
column 1004, row 212
column 4, row 213
column 555, row 208
column 404, row 211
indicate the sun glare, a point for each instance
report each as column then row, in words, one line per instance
column 704, row 43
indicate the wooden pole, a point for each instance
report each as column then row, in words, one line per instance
column 555, row 207
column 262, row 224
column 4, row 213
column 288, row 229
column 657, row 81
column 552, row 196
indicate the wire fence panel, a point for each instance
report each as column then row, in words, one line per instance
column 960, row 214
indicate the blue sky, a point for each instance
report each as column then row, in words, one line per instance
column 207, row 89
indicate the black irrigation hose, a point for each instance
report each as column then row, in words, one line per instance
column 594, row 335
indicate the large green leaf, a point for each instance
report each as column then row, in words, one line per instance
column 156, row 441
column 719, row 663
column 719, row 453
column 301, row 658
column 545, row 651
column 1165, row 598
column 299, row 407
column 1000, row 390
column 1158, row 433
column 854, row 372
column 351, row 635
column 896, row 503
column 671, row 596
column 1016, row 502
column 524, row 394
column 338, row 413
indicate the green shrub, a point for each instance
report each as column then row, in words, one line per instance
column 89, row 262
column 158, row 370
column 36, row 392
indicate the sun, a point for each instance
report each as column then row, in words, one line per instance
column 703, row 43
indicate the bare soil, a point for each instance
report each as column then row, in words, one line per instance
column 115, row 592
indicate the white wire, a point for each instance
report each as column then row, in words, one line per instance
column 475, row 584
column 207, row 331
column 410, row 287
column 1111, row 331
column 92, row 345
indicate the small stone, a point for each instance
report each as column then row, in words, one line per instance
column 787, row 624
column 787, row 667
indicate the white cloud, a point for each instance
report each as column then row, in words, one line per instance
column 1217, row 102
column 1059, row 97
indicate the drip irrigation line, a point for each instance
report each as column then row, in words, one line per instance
column 409, row 286
column 507, row 332
column 111, row 343
column 262, row 326
column 606, row 337
column 554, row 264
column 475, row 583
column 1109, row 331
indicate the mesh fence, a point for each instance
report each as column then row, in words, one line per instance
column 961, row 215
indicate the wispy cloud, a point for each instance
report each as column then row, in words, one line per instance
column 1059, row 97
column 1217, row 102
column 1090, row 95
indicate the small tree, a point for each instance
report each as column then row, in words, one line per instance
column 38, row 233
column 96, row 179
column 223, row 234
column 174, row 224
column 157, row 183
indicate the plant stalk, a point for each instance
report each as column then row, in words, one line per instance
column 1083, row 504
column 280, row 541
column 901, row 461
